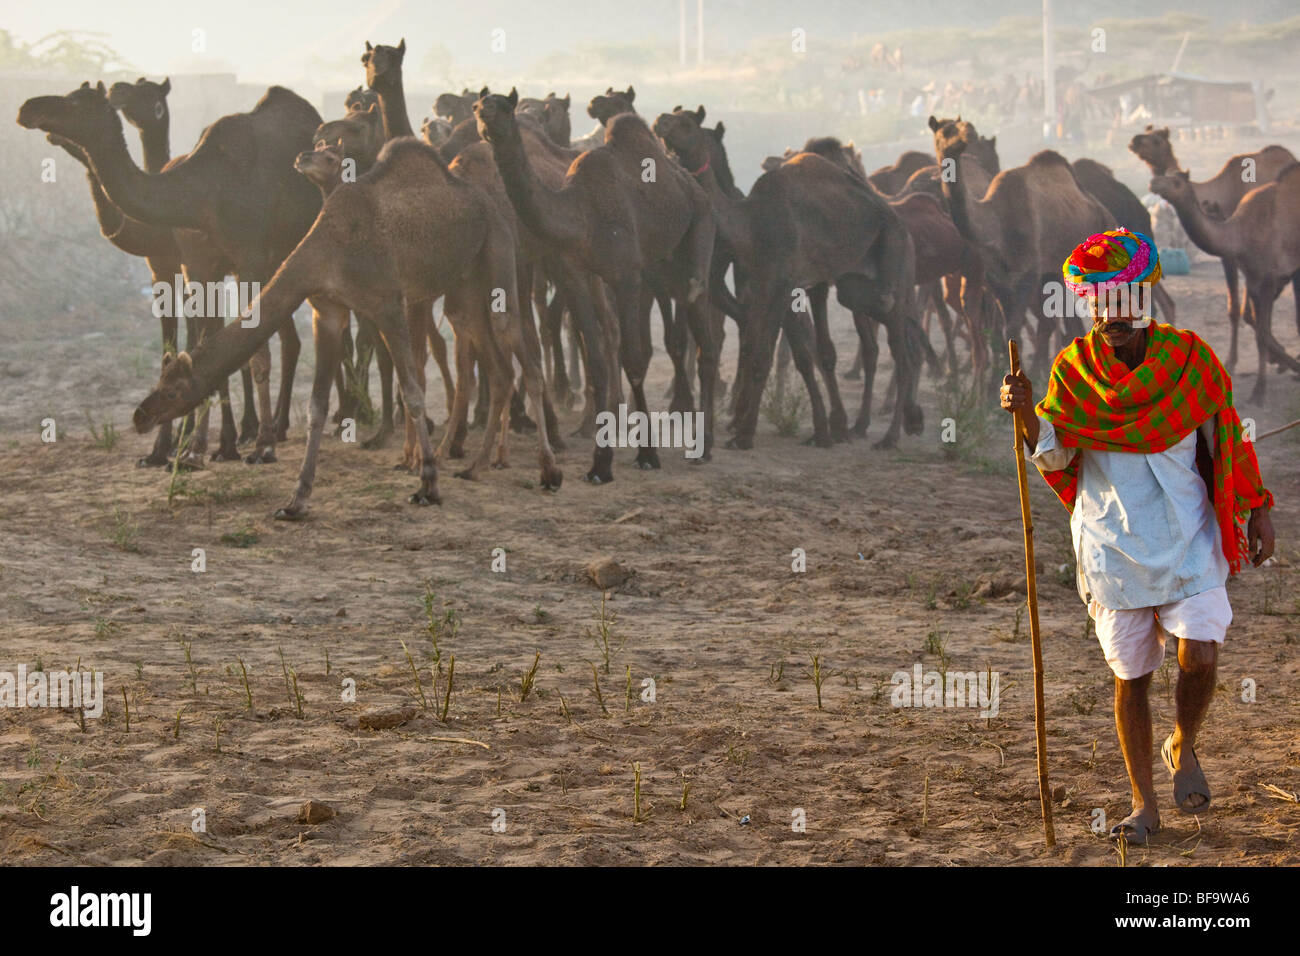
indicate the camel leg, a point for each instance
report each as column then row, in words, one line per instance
column 799, row 333
column 576, row 366
column 248, row 423
column 592, row 333
column 330, row 321
column 347, row 406
column 453, row 439
column 385, row 363
column 758, row 339
column 157, row 457
column 869, row 349
column 1234, row 309
column 783, row 358
column 260, row 366
column 418, row 313
column 701, row 317
column 290, row 347
column 826, row 360
column 560, row 385
column 634, row 352
column 677, row 343
column 228, row 450
column 532, row 344
column 394, row 324
column 438, row 346
column 527, row 349
column 855, row 372
column 1266, row 294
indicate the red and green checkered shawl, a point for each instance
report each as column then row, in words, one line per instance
column 1093, row 401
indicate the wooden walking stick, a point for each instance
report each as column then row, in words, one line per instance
column 1031, row 587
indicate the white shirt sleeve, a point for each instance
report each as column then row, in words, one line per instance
column 1047, row 454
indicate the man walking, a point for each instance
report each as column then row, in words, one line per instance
column 1138, row 437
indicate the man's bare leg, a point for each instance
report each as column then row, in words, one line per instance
column 1197, row 664
column 1133, row 724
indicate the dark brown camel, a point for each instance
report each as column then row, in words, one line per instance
column 809, row 223
column 553, row 113
column 405, row 232
column 455, row 107
column 619, row 223
column 1025, row 225
column 1218, row 198
column 237, row 187
column 890, row 179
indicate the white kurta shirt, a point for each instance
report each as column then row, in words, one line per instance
column 1144, row 529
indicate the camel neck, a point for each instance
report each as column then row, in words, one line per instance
column 392, row 107
column 156, row 141
column 161, row 199
column 958, row 196
column 538, row 208
column 1205, row 232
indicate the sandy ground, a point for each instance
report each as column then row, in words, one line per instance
column 912, row 556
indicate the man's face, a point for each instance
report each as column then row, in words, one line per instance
column 1114, row 322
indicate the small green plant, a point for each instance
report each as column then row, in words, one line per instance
column 818, row 675
column 451, row 676
column 604, row 634
column 782, row 407
column 442, row 622
column 122, row 534
column 104, row 436
column 529, row 679
column 245, row 537
column 636, row 792
column 600, row 698
column 190, row 667
column 248, row 691
column 415, row 672
column 105, row 627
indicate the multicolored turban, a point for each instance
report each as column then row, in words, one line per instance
column 1110, row 260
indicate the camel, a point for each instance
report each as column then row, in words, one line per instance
column 145, row 105
column 455, row 107
column 553, row 113
column 384, row 76
column 602, row 108
column 890, row 179
column 1125, row 210
column 1262, row 236
column 237, row 187
column 1025, row 225
column 609, row 219
column 405, row 232
column 805, row 224
column 435, row 131
column 360, row 100
column 1218, row 198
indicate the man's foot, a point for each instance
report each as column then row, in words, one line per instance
column 1191, row 789
column 1137, row 826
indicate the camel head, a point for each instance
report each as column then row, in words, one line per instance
column 456, row 107
column 605, row 106
column 360, row 100
column 435, row 131
column 1175, row 187
column 322, row 165
column 83, row 116
column 144, row 104
column 553, row 113
column 383, row 64
column 177, row 392
column 952, row 137
column 683, row 133
column 495, row 116
column 358, row 137
column 1153, row 147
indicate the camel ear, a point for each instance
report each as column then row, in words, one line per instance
column 483, row 92
column 166, row 86
column 631, row 94
column 85, row 85
column 100, row 86
column 368, row 46
column 184, row 361
column 934, row 125
column 139, row 79
column 567, row 99
column 958, row 117
column 719, row 130
column 699, row 116
column 993, row 141
column 549, row 96
column 513, row 98
column 401, row 47
column 1163, row 133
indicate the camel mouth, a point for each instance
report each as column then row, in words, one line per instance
column 143, row 421
column 30, row 114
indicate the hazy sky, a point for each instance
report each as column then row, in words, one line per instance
column 276, row 41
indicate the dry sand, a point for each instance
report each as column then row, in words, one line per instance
column 905, row 549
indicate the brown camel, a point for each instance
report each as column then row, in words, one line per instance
column 890, row 179
column 553, row 113
column 1125, row 210
column 1262, row 236
column 620, row 223
column 384, row 76
column 1218, row 198
column 806, row 224
column 1025, row 225
column 145, row 106
column 455, row 107
column 405, row 232
column 237, row 187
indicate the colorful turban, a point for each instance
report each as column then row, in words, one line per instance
column 1110, row 260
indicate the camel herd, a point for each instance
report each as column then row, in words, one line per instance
column 525, row 233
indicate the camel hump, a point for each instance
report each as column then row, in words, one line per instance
column 1048, row 157
column 1289, row 172
column 629, row 129
column 283, row 98
column 405, row 153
